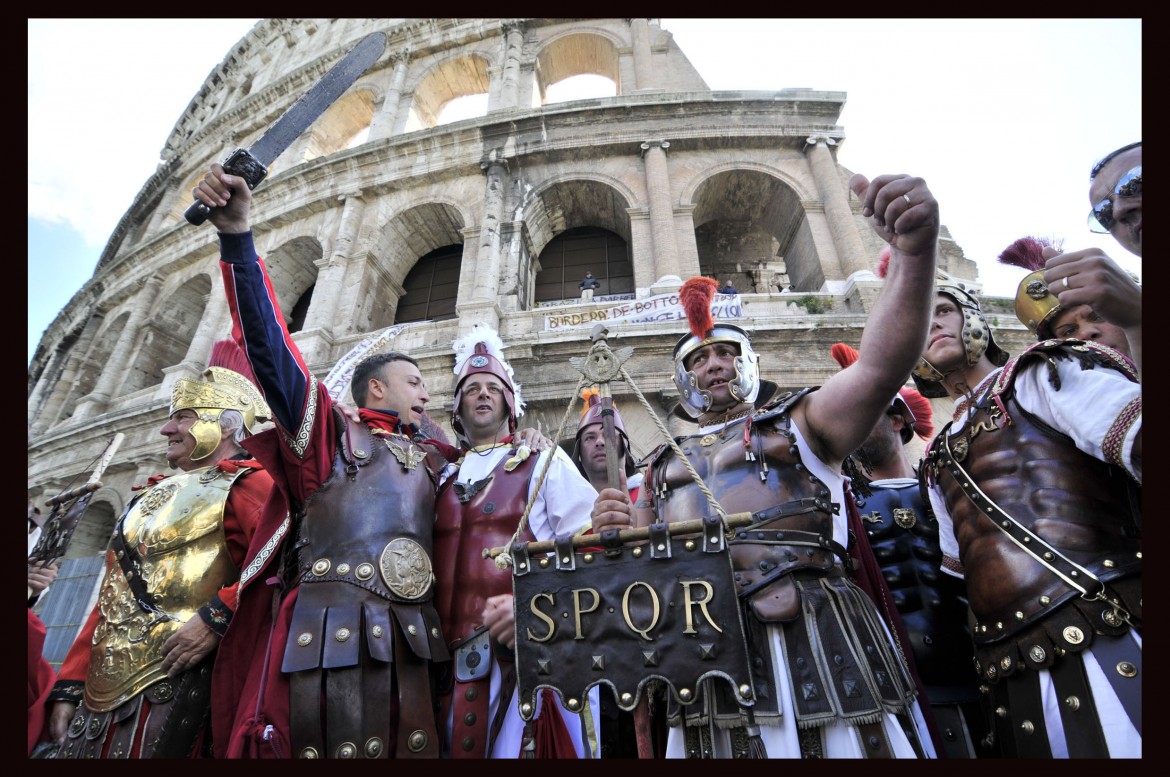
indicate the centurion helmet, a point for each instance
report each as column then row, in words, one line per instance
column 976, row 337
column 482, row 351
column 590, row 415
column 1036, row 306
column 696, row 295
column 226, row 384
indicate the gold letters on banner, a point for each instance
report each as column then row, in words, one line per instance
column 694, row 601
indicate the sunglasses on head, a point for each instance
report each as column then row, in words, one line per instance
column 1129, row 185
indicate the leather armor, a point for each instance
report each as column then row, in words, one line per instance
column 365, row 574
column 789, row 574
column 1082, row 507
column 488, row 519
column 174, row 531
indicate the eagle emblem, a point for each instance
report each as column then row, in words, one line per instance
column 408, row 458
column 467, row 491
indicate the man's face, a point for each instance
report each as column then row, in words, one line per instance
column 406, row 392
column 483, row 408
column 1083, row 323
column 885, row 441
column 180, row 441
column 944, row 339
column 1127, row 211
column 593, row 452
column 714, row 368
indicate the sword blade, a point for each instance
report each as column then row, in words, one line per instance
column 301, row 114
column 251, row 164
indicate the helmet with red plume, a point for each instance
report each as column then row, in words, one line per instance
column 695, row 296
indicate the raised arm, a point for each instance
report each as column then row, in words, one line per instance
column 838, row 417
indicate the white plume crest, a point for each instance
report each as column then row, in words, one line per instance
column 465, row 348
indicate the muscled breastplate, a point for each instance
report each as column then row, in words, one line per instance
column 365, row 544
column 903, row 533
column 1076, row 504
column 753, row 468
column 471, row 517
column 174, row 535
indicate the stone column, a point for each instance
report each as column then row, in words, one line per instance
column 666, row 262
column 846, row 238
column 211, row 325
column 55, row 362
column 386, row 118
column 643, row 59
column 510, row 71
column 114, row 371
column 484, row 304
column 331, row 269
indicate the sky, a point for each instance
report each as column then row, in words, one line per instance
column 1003, row 118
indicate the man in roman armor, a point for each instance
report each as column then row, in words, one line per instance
column 135, row 683
column 829, row 680
column 482, row 507
column 901, row 532
column 1036, row 484
column 334, row 659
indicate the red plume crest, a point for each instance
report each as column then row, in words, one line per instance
column 229, row 355
column 843, row 354
column 1027, row 252
column 696, row 295
column 923, row 412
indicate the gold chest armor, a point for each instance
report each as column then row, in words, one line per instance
column 175, row 529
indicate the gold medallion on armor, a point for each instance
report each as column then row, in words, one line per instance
column 708, row 440
column 959, row 450
column 406, row 568
column 905, row 517
column 155, row 498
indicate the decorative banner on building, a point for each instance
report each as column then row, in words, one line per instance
column 666, row 610
column 661, row 307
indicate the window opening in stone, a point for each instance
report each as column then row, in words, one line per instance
column 565, row 259
column 431, row 287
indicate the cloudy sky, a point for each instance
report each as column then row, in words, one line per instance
column 1003, row 118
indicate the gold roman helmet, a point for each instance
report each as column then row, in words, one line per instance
column 1036, row 306
column 219, row 389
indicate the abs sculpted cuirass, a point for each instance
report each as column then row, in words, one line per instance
column 175, row 531
column 365, row 543
column 487, row 519
column 903, row 534
column 764, row 473
column 1077, row 504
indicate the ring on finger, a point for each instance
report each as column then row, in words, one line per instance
column 1066, row 281
column 906, row 197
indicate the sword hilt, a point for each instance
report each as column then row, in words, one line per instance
column 241, row 163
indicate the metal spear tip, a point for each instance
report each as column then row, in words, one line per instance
column 599, row 332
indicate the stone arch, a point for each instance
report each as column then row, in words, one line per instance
column 462, row 75
column 747, row 215
column 293, row 268
column 576, row 200
column 166, row 335
column 343, row 124
column 574, row 221
column 89, row 368
column 413, row 233
column 94, row 530
column 588, row 51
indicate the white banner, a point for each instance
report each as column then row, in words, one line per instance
column 663, row 307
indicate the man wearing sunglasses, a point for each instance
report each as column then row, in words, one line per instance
column 1115, row 192
column 1089, row 277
